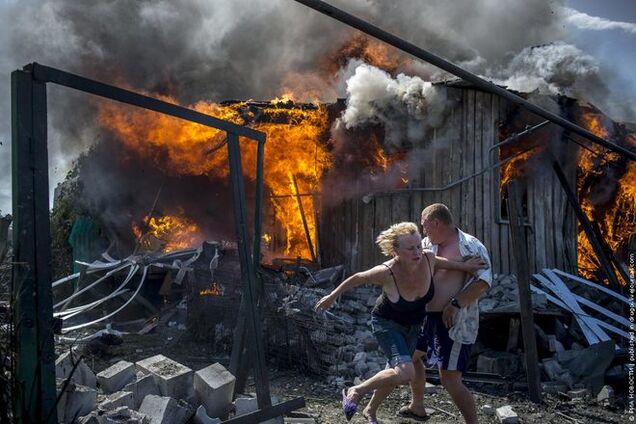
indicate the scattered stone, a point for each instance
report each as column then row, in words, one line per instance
column 117, row 399
column 579, row 394
column 174, row 379
column 214, row 387
column 114, row 378
column 488, row 409
column 553, row 387
column 201, row 417
column 75, row 402
column 165, row 410
column 144, row 385
column 125, row 415
column 506, row 415
column 245, row 405
column 588, row 366
column 554, row 345
column 502, row 363
column 82, row 375
column 606, row 395
column 299, row 420
column 552, row 368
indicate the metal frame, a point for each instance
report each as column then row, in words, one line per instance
column 34, row 379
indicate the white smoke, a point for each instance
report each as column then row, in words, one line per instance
column 595, row 23
column 406, row 106
column 557, row 68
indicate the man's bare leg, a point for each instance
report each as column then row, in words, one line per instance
column 418, row 385
column 463, row 398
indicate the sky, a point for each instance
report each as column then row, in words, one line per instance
column 217, row 50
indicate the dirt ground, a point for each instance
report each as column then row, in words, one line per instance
column 323, row 404
column 323, row 399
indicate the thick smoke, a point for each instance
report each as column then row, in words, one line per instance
column 218, row 50
column 407, row 107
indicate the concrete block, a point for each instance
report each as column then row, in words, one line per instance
column 114, row 378
column 214, row 386
column 552, row 368
column 117, row 399
column 245, row 405
column 553, row 387
column 506, row 415
column 606, row 394
column 75, row 402
column 82, row 375
column 201, row 417
column 502, row 363
column 554, row 345
column 174, row 379
column 123, row 414
column 488, row 409
column 142, row 387
column 165, row 410
column 579, row 394
column 301, row 420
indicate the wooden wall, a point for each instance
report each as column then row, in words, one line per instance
column 347, row 231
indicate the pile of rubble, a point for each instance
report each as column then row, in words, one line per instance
column 155, row 390
column 343, row 346
column 503, row 296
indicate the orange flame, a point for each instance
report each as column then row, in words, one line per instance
column 616, row 216
column 172, row 232
column 292, row 148
column 214, row 290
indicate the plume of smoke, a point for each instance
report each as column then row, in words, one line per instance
column 407, row 107
column 584, row 21
column 218, row 50
column 556, row 68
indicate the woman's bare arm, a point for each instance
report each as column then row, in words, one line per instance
column 374, row 275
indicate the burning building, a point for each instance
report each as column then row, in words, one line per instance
column 336, row 176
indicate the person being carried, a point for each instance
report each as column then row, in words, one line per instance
column 452, row 318
column 397, row 317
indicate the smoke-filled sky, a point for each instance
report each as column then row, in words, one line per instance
column 218, row 50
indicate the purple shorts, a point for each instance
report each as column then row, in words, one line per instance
column 442, row 352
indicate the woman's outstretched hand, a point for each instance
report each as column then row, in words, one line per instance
column 476, row 263
column 324, row 303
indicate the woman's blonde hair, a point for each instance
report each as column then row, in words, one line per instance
column 387, row 240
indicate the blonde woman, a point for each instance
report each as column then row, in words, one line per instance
column 407, row 286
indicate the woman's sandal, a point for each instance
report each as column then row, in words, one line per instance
column 349, row 407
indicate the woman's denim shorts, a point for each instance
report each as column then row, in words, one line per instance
column 396, row 341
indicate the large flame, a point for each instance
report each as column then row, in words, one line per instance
column 292, row 149
column 172, row 233
column 611, row 207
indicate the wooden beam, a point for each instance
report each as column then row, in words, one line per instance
column 520, row 253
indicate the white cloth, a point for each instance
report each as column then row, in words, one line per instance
column 467, row 319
